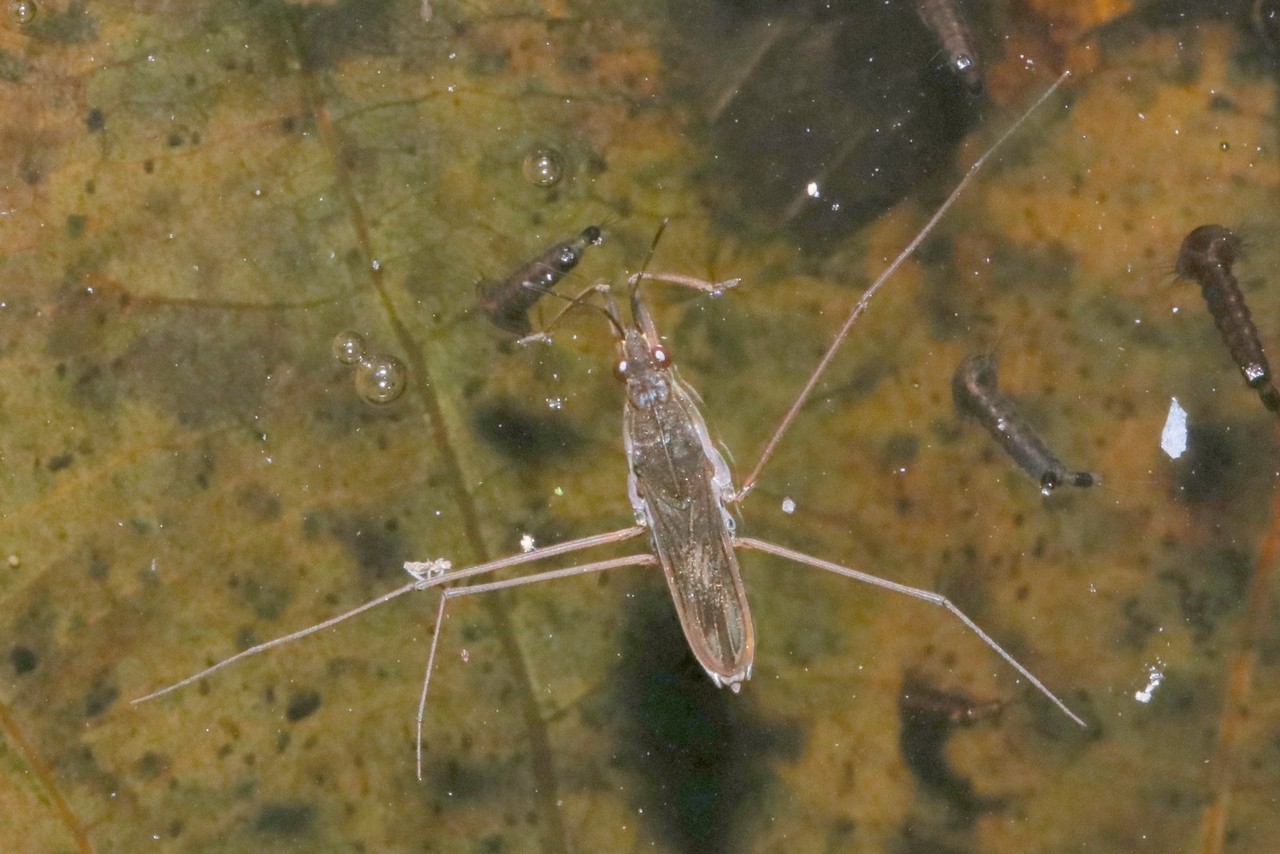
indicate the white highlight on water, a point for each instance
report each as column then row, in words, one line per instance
column 1155, row 675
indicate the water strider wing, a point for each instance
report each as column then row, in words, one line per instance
column 675, row 467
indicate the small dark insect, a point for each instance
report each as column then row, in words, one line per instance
column 929, row 716
column 945, row 19
column 921, row 701
column 1206, row 256
column 507, row 301
column 974, row 390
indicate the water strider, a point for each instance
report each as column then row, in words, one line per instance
column 681, row 491
column 976, row 395
column 1207, row 256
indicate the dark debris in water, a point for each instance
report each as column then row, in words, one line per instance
column 702, row 754
column 830, row 118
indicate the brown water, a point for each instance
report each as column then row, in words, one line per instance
column 197, row 197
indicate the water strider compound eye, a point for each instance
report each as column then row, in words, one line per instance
column 661, row 357
column 620, row 369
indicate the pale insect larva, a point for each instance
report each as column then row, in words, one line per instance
column 976, row 395
column 1206, row 256
column 506, row 301
column 946, row 21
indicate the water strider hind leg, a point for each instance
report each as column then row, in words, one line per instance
column 914, row 592
column 489, row 586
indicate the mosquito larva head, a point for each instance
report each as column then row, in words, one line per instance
column 593, row 235
column 380, row 379
column 348, row 347
column 1048, row 482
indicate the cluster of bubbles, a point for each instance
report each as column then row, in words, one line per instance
column 543, row 167
column 22, row 11
column 380, row 378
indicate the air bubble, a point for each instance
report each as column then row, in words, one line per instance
column 22, row 11
column 348, row 347
column 543, row 167
column 380, row 379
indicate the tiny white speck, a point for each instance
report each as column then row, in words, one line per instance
column 811, row 189
column 1173, row 438
column 788, row 506
column 526, row 543
column 1155, row 675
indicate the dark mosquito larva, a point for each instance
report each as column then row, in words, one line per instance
column 507, row 301
column 945, row 19
column 976, row 395
column 1206, row 256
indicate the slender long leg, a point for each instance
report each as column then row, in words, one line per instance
column 455, row 592
column 429, row 574
column 825, row 361
column 712, row 288
column 915, row 592
column 544, row 337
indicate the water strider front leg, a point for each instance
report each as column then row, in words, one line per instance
column 715, row 289
column 914, row 592
column 455, row 592
column 811, row 383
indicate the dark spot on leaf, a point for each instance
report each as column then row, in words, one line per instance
column 376, row 546
column 284, row 819
column 1212, row 458
column 331, row 32
column 96, row 120
column 301, row 705
column 929, row 716
column 71, row 25
column 524, row 436
column 255, row 498
column 24, row 660
column 840, row 116
column 12, row 69
column 59, row 462
column 266, row 600
column 76, row 224
column 102, row 694
column 151, row 765
column 900, row 449
column 99, row 566
column 703, row 755
column 148, row 166
column 1209, row 584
